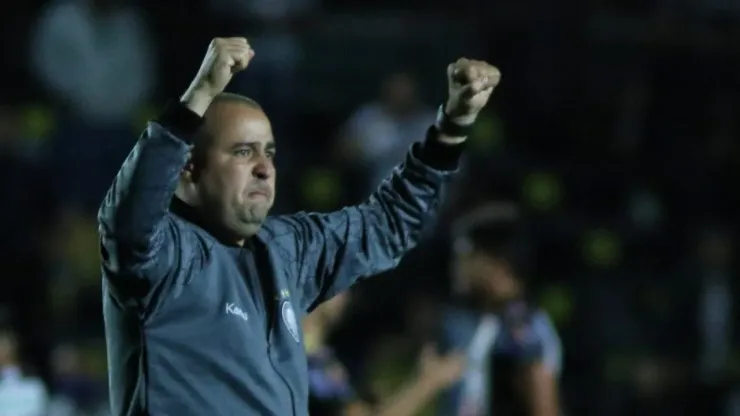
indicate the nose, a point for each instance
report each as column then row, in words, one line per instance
column 264, row 169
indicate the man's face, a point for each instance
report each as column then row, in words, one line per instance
column 236, row 179
column 486, row 277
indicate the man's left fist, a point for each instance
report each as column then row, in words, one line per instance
column 470, row 84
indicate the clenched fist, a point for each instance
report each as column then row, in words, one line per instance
column 224, row 58
column 470, row 84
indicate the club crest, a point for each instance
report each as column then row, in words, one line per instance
column 290, row 320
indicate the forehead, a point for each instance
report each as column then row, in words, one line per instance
column 230, row 123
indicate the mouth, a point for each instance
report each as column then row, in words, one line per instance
column 258, row 194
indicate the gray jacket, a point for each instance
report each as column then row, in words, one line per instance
column 197, row 327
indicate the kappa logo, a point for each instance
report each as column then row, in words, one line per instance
column 232, row 309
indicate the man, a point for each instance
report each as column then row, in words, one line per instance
column 202, row 300
column 513, row 352
column 331, row 392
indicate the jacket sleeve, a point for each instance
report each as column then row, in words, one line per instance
column 334, row 250
column 140, row 240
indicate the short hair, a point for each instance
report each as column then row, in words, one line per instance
column 238, row 99
column 495, row 230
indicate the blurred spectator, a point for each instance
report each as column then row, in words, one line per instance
column 96, row 57
column 716, row 299
column 273, row 28
column 20, row 394
column 75, row 393
column 514, row 353
column 378, row 134
column 331, row 392
column 97, row 60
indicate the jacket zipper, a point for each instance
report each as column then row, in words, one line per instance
column 270, row 306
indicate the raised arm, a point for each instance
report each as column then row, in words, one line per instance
column 139, row 238
column 336, row 249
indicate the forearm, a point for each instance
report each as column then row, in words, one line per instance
column 406, row 204
column 140, row 195
column 409, row 400
column 372, row 237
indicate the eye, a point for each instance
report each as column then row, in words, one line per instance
column 243, row 152
column 270, row 154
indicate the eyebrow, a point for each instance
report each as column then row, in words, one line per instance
column 268, row 146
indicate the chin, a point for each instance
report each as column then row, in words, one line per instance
column 249, row 219
column 252, row 230
column 247, row 230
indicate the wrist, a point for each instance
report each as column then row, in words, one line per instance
column 457, row 118
column 441, row 151
column 197, row 100
column 453, row 130
column 464, row 120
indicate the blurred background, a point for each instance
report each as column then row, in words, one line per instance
column 615, row 128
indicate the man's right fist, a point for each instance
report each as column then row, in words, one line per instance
column 225, row 57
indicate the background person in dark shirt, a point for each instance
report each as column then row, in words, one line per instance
column 514, row 354
column 331, row 391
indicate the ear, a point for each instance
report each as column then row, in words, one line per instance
column 188, row 172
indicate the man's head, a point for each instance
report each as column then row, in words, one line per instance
column 231, row 176
column 487, row 257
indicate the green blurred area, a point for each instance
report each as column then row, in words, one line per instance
column 321, row 188
column 488, row 134
column 601, row 248
column 542, row 191
column 37, row 122
column 558, row 300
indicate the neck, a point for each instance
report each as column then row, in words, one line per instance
column 193, row 214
